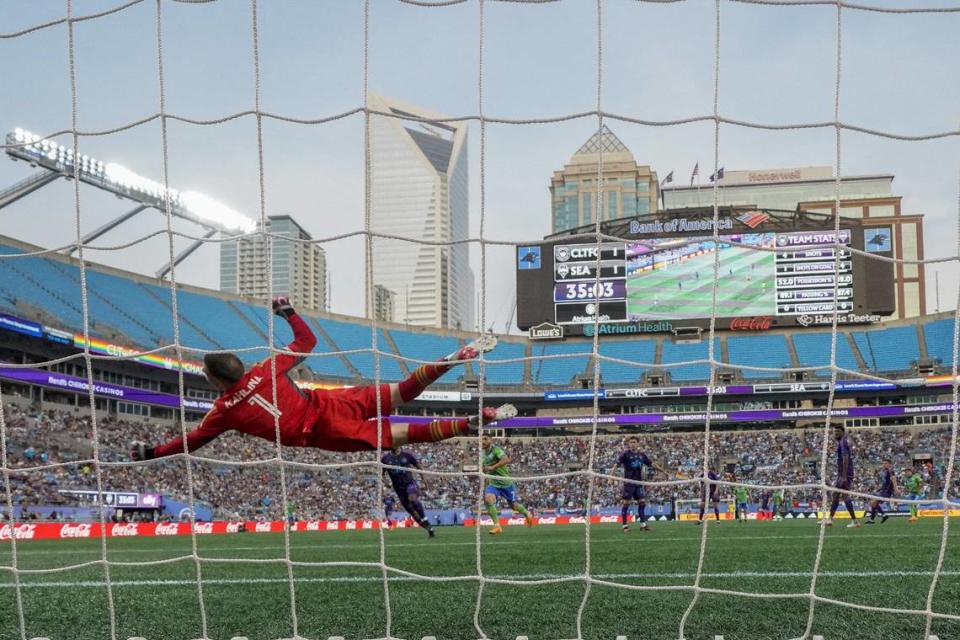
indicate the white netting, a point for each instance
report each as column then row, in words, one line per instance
column 587, row 576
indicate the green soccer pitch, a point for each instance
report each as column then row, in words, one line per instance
column 745, row 287
column 887, row 565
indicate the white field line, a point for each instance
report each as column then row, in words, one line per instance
column 539, row 576
column 24, row 548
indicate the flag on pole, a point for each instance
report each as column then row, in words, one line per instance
column 668, row 179
column 718, row 175
column 696, row 172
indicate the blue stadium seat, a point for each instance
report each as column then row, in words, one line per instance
column 505, row 373
column 36, row 282
column 939, row 338
column 348, row 336
column 331, row 365
column 813, row 350
column 635, row 350
column 759, row 351
column 218, row 320
column 673, row 352
column 560, row 371
column 426, row 347
column 894, row 349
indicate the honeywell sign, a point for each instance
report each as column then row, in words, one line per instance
column 769, row 176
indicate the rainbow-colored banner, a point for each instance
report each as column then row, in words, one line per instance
column 102, row 347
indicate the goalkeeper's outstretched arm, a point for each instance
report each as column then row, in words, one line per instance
column 209, row 428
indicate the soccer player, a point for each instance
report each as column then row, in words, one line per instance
column 400, row 462
column 388, row 505
column 888, row 486
column 741, row 498
column 335, row 420
column 777, row 504
column 495, row 461
column 844, row 478
column 633, row 462
column 914, row 490
column 709, row 490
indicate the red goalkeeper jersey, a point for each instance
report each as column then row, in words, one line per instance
column 248, row 405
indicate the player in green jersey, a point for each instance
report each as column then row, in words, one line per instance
column 741, row 498
column 501, row 485
column 914, row 486
column 777, row 504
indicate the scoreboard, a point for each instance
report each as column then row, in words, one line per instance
column 813, row 280
column 796, row 273
column 578, row 294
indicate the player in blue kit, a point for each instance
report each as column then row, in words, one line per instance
column 388, row 505
column 408, row 491
column 709, row 490
column 634, row 462
column 888, row 487
column 844, row 478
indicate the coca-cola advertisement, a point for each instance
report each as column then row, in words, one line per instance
column 756, row 323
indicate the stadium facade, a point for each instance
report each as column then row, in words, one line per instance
column 869, row 199
column 419, row 190
column 297, row 267
column 629, row 189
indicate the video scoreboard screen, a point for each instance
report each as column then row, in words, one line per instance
column 763, row 279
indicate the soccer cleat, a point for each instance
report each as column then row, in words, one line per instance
column 912, row 519
column 884, row 518
column 869, row 522
column 854, row 525
column 528, row 519
column 645, row 527
column 474, row 348
column 626, row 528
column 431, row 533
column 827, row 522
column 699, row 522
column 494, row 414
column 496, row 530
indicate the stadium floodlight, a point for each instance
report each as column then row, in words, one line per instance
column 124, row 183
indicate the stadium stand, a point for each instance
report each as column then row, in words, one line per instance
column 683, row 352
column 134, row 311
column 505, row 373
column 759, row 351
column 813, row 350
column 347, row 336
column 892, row 349
column 938, row 336
column 559, row 371
column 633, row 350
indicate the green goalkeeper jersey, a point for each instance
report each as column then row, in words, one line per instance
column 778, row 497
column 492, row 456
column 741, row 494
column 914, row 483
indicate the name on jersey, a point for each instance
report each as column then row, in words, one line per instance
column 238, row 397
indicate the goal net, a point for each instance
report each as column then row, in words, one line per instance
column 382, row 579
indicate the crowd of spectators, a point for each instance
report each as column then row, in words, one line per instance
column 50, row 454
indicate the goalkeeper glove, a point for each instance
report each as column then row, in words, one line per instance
column 282, row 307
column 140, row 451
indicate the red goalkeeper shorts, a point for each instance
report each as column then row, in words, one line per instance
column 347, row 419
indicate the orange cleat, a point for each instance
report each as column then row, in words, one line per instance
column 529, row 519
column 496, row 530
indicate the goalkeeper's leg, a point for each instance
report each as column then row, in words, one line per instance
column 427, row 374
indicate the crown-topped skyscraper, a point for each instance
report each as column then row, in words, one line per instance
column 629, row 189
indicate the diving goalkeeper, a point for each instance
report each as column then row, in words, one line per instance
column 335, row 420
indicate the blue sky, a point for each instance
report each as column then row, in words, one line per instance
column 777, row 66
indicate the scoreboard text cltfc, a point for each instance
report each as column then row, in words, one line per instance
column 580, row 293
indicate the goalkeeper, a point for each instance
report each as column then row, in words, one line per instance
column 335, row 420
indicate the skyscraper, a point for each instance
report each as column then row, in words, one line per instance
column 299, row 269
column 629, row 189
column 419, row 190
